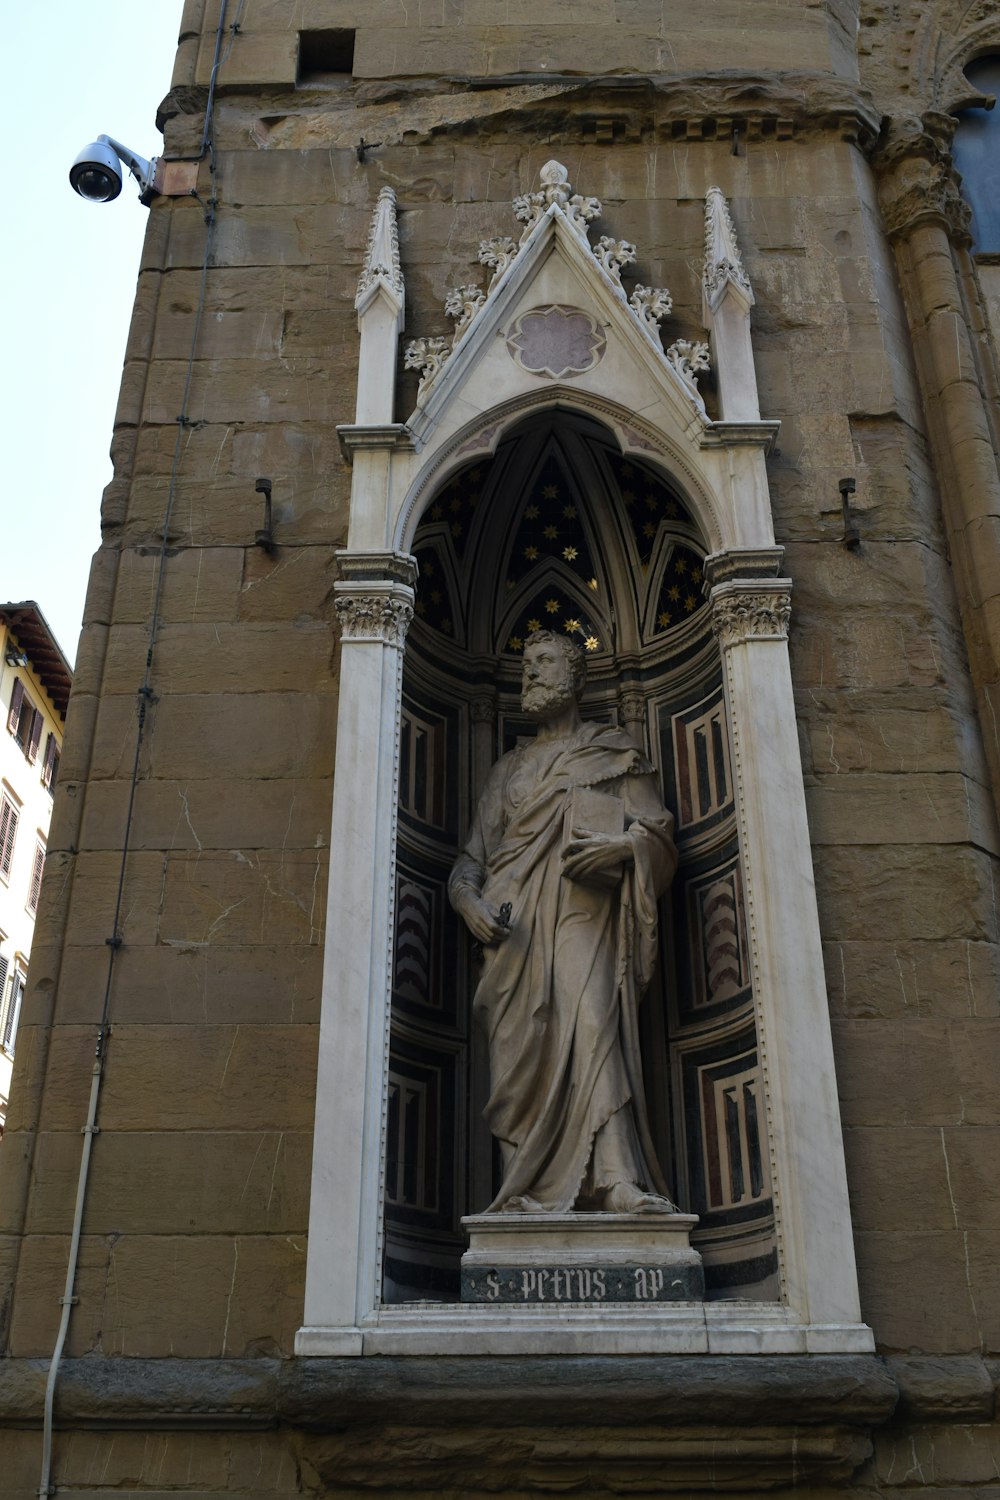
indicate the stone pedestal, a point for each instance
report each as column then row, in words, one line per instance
column 529, row 1259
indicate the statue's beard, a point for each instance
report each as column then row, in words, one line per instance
column 541, row 702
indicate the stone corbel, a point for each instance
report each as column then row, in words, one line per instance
column 373, row 596
column 365, row 616
column 918, row 184
column 745, row 610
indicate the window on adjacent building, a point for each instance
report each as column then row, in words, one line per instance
column 36, row 878
column 50, row 765
column 11, row 1011
column 9, row 818
column 24, row 721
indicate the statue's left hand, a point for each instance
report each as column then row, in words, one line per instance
column 597, row 854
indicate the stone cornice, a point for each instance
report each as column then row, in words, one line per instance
column 918, row 184
column 377, row 567
column 354, row 438
column 737, row 1391
column 744, row 563
column 761, row 106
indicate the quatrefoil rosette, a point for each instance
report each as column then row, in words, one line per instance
column 556, row 341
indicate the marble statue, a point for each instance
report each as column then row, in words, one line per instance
column 570, row 848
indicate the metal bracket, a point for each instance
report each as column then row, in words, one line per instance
column 852, row 536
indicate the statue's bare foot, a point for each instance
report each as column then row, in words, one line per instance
column 629, row 1198
column 522, row 1205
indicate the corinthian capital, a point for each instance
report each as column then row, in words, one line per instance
column 374, row 617
column 751, row 611
column 917, row 181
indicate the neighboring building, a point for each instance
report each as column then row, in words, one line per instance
column 248, row 1089
column 35, row 681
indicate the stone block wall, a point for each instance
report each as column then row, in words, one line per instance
column 196, row 1216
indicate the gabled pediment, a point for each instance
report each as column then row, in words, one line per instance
column 555, row 309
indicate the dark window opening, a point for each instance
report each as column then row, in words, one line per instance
column 976, row 150
column 325, row 56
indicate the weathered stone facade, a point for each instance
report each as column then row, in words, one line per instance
column 212, row 664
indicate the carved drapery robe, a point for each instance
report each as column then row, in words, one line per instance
column 559, row 996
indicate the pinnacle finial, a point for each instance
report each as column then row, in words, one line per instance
column 723, row 262
column 381, row 267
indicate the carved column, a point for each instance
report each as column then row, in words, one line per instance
column 926, row 219
column 632, row 708
column 750, row 615
column 374, row 603
column 483, row 713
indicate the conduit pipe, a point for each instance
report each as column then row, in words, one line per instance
column 90, row 1129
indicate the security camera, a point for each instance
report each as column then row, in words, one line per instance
column 97, row 172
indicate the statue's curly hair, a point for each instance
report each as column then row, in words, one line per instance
column 574, row 654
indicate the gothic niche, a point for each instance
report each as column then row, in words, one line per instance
column 559, row 529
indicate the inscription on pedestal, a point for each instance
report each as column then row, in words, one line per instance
column 590, row 1284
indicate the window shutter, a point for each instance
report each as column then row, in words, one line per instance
column 3, row 991
column 36, row 878
column 14, row 1005
column 36, row 733
column 50, row 755
column 15, row 705
column 8, row 828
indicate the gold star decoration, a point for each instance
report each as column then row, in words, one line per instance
column 437, row 512
column 571, row 625
column 673, row 592
column 570, row 554
column 420, row 607
column 534, row 625
column 592, row 583
column 663, row 618
column 531, row 512
column 649, row 529
column 427, row 568
column 696, row 575
column 689, row 602
column 436, row 596
column 531, row 553
column 456, row 528
column 680, row 566
column 628, row 497
column 510, row 584
column 672, row 508
column 515, row 643
column 550, row 533
column 592, row 643
column 455, row 504
column 552, row 606
column 550, row 492
column 649, row 501
column 569, row 512
column 446, row 625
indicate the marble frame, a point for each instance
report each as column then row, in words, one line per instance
column 469, row 401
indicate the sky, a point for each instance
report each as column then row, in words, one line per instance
column 68, row 273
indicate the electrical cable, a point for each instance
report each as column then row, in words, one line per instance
column 145, row 694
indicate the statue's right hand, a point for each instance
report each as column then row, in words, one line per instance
column 483, row 921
